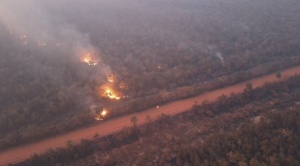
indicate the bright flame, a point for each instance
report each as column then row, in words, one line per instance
column 89, row 60
column 107, row 91
column 102, row 115
column 111, row 94
column 98, row 118
column 104, row 112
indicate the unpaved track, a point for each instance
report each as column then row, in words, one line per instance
column 21, row 153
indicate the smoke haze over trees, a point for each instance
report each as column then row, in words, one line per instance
column 158, row 50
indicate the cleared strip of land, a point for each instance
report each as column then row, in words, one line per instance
column 21, row 153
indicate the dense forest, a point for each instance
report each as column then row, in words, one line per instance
column 258, row 127
column 156, row 52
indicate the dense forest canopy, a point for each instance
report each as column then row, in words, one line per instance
column 149, row 47
column 258, row 127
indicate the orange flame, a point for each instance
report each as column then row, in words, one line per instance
column 101, row 115
column 108, row 92
column 98, row 118
column 111, row 94
column 88, row 59
column 104, row 112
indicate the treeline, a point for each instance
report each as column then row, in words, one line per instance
column 271, row 138
column 176, row 56
column 273, row 141
column 164, row 96
column 167, row 62
column 34, row 132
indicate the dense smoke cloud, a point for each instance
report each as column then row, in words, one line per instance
column 36, row 25
column 46, row 22
column 32, row 19
column 126, row 33
column 56, row 46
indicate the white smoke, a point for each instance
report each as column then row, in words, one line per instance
column 220, row 56
column 33, row 20
column 213, row 50
column 54, row 38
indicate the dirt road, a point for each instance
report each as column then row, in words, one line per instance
column 21, row 153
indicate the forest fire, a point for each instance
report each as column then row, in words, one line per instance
column 105, row 90
column 108, row 92
column 102, row 114
column 111, row 94
column 88, row 59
